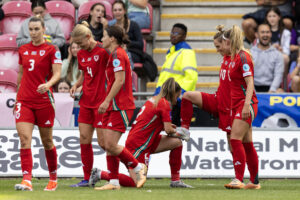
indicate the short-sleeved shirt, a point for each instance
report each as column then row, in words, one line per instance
column 37, row 69
column 119, row 61
column 93, row 64
column 239, row 68
column 149, row 123
column 223, row 92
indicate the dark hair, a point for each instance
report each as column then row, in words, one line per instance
column 92, row 8
column 37, row 3
column 181, row 26
column 37, row 19
column 61, row 81
column 262, row 24
column 125, row 25
column 280, row 25
column 118, row 33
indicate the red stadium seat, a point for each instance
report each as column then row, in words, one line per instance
column 15, row 13
column 149, row 30
column 84, row 9
column 111, row 1
column 9, row 52
column 64, row 13
column 8, row 81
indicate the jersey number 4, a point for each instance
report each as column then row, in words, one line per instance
column 31, row 65
column 89, row 70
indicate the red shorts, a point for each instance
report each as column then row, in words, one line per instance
column 237, row 113
column 90, row 116
column 43, row 117
column 210, row 104
column 117, row 120
column 141, row 153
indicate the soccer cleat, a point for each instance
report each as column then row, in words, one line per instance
column 24, row 186
column 182, row 133
column 141, row 176
column 95, row 177
column 83, row 183
column 108, row 186
column 253, row 186
column 235, row 184
column 179, row 184
column 52, row 185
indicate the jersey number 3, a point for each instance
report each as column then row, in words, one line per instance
column 31, row 65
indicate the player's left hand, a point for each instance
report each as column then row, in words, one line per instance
column 42, row 88
column 246, row 112
column 103, row 107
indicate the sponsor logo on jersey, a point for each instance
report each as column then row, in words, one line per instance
column 57, row 55
column 96, row 58
column 89, row 59
column 109, row 124
column 25, row 53
column 33, row 53
column 116, row 62
column 42, row 52
column 246, row 67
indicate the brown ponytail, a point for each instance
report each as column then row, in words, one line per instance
column 168, row 90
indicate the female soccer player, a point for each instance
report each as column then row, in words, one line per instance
column 217, row 104
column 92, row 60
column 145, row 139
column 40, row 67
column 118, row 108
column 243, row 108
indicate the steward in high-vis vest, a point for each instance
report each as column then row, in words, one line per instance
column 181, row 63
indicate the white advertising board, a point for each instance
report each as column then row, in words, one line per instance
column 205, row 155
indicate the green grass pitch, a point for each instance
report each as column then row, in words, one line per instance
column 155, row 189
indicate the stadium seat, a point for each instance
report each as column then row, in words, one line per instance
column 149, row 30
column 84, row 9
column 64, row 13
column 8, row 80
column 9, row 52
column 138, row 67
column 135, row 81
column 15, row 13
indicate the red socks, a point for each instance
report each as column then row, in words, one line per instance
column 239, row 158
column 186, row 113
column 26, row 163
column 125, row 180
column 113, row 166
column 127, row 158
column 175, row 163
column 87, row 159
column 252, row 161
column 51, row 158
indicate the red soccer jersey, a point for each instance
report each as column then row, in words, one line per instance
column 223, row 92
column 119, row 61
column 149, row 123
column 93, row 64
column 239, row 68
column 37, row 69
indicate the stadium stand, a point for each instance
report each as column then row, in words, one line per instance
column 149, row 30
column 84, row 9
column 15, row 13
column 8, row 80
column 64, row 13
column 9, row 52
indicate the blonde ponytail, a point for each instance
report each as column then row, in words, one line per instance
column 81, row 30
column 168, row 90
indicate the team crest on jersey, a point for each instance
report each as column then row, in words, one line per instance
column 96, row 58
column 33, row 53
column 116, row 62
column 42, row 52
column 246, row 67
column 25, row 53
